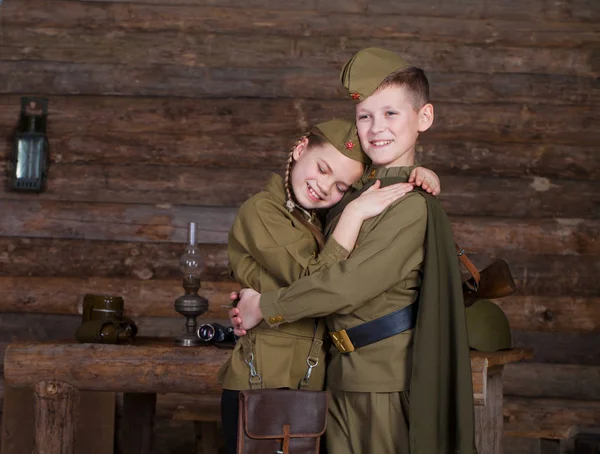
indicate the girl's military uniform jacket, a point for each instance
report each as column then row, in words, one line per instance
column 268, row 249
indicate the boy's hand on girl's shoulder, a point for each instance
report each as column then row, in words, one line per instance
column 427, row 179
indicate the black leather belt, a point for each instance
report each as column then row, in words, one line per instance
column 348, row 340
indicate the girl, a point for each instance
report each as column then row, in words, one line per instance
column 276, row 239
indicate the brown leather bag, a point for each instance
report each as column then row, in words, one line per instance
column 494, row 281
column 286, row 421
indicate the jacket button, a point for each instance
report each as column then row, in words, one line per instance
column 372, row 174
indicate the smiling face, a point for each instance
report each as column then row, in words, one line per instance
column 321, row 175
column 388, row 126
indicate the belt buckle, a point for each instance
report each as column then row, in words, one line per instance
column 341, row 341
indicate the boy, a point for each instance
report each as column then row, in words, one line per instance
column 403, row 257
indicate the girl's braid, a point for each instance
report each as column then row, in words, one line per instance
column 289, row 203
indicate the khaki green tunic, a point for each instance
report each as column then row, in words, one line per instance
column 382, row 274
column 268, row 249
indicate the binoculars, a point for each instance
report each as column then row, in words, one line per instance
column 103, row 321
column 213, row 333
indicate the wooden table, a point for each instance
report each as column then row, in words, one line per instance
column 488, row 394
column 58, row 370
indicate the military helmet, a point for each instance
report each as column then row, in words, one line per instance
column 487, row 327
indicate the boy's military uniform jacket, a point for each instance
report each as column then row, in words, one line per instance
column 268, row 249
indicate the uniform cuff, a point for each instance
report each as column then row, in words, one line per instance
column 333, row 251
column 270, row 309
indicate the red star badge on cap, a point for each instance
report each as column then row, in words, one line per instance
column 355, row 95
column 349, row 145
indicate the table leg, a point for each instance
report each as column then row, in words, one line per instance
column 489, row 421
column 136, row 423
column 56, row 411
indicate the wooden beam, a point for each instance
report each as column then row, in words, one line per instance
column 154, row 298
column 567, row 381
column 551, row 412
column 577, row 11
column 56, row 414
column 201, row 18
column 539, row 275
column 114, row 259
column 270, row 153
column 151, row 298
column 220, row 188
column 552, row 314
column 195, row 48
column 26, row 364
column 560, row 348
column 488, row 122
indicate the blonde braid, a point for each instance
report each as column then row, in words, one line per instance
column 289, row 203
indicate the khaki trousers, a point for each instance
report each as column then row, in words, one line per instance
column 368, row 423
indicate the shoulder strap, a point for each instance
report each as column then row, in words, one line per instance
column 313, row 228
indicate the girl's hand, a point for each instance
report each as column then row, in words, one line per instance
column 376, row 199
column 426, row 179
column 247, row 314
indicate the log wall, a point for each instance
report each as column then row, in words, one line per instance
column 166, row 112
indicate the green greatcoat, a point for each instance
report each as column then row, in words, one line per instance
column 268, row 249
column 386, row 271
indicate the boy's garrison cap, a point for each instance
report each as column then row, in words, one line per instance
column 363, row 73
column 343, row 136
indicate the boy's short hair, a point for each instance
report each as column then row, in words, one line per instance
column 413, row 80
column 373, row 68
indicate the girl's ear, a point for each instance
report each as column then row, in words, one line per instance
column 300, row 148
column 425, row 117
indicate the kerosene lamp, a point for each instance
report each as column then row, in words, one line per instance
column 191, row 305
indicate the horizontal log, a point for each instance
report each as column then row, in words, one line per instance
column 560, row 348
column 150, row 298
column 538, row 412
column 281, row 82
column 152, row 365
column 196, row 49
column 509, row 160
column 89, row 258
column 114, row 221
column 534, row 274
column 577, row 10
column 199, row 18
column 561, row 381
column 535, row 197
column 224, row 150
column 552, row 314
column 168, row 223
column 454, row 121
column 153, row 298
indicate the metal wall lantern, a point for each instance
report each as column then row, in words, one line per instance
column 30, row 148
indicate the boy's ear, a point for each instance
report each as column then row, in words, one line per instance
column 300, row 148
column 425, row 117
